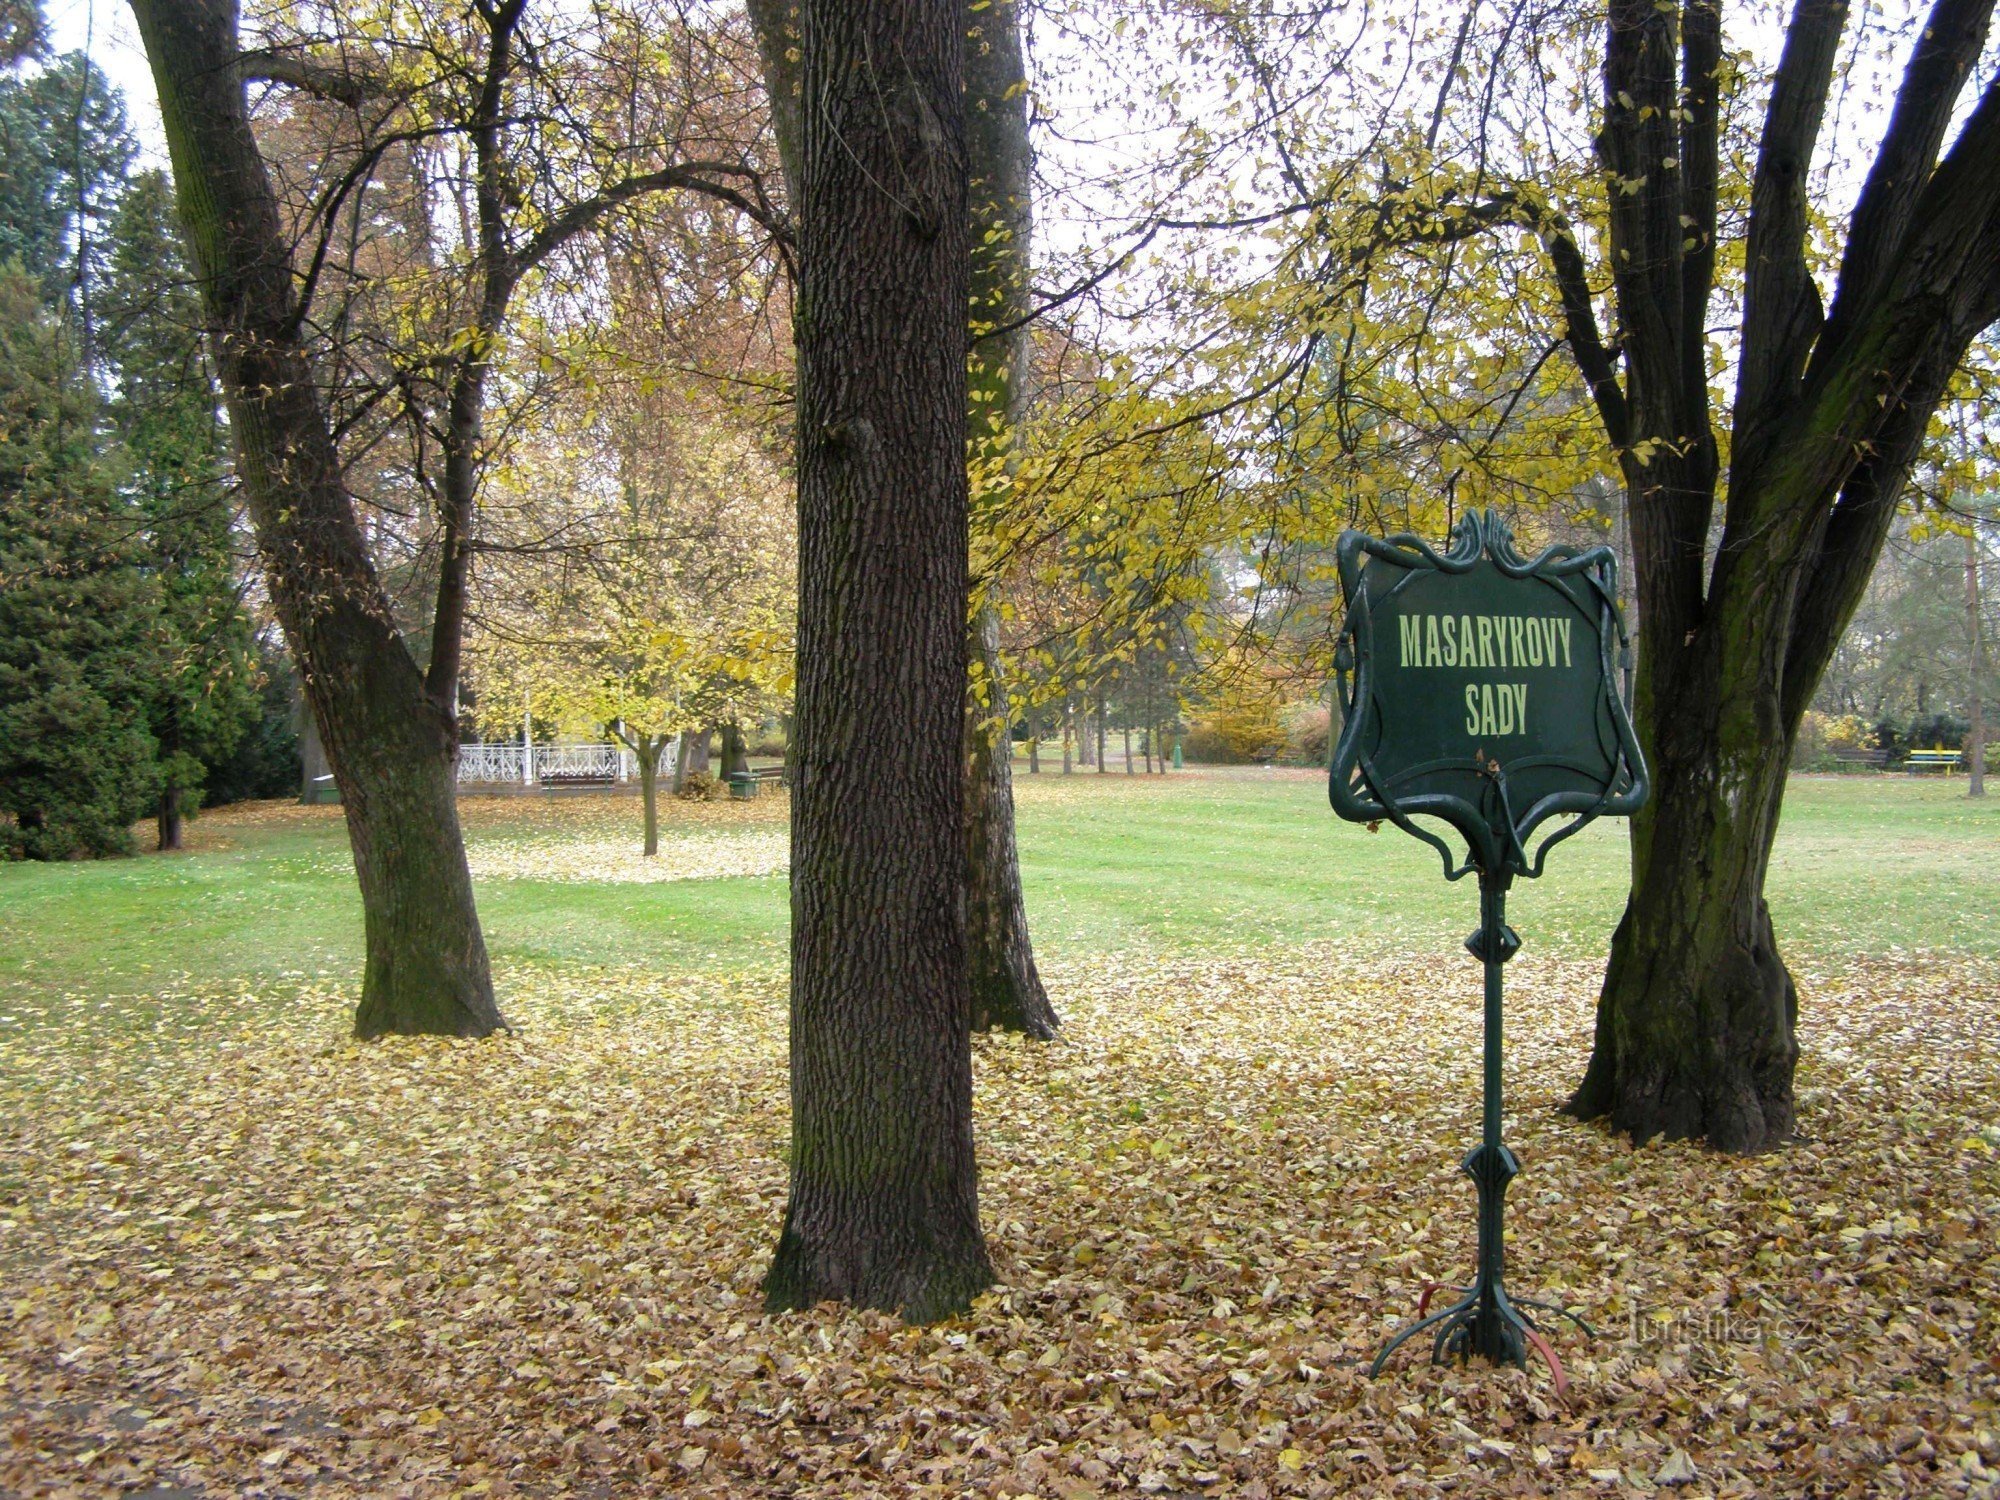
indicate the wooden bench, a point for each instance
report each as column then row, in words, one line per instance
column 1919, row 761
column 1860, row 757
column 577, row 778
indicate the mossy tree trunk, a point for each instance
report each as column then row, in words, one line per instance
column 883, row 1209
column 1696, row 1021
column 391, row 747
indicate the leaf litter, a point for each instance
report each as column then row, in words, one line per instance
column 245, row 1256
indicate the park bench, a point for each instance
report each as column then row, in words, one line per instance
column 577, row 778
column 1860, row 757
column 744, row 784
column 1918, row 761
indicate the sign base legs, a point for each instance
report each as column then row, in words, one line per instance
column 1485, row 1320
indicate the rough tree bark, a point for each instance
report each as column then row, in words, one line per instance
column 390, row 745
column 1696, row 1021
column 884, row 1198
column 1008, row 994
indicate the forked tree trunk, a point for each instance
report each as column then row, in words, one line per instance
column 1007, row 989
column 884, row 1207
column 390, row 745
column 1695, row 1032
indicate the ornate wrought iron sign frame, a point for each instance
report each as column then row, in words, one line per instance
column 1493, row 762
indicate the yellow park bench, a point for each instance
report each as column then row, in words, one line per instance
column 1934, row 759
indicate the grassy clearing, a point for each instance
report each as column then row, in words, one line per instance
column 1200, row 862
column 244, row 1256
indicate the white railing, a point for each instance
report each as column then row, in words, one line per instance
column 558, row 762
column 489, row 763
column 533, row 764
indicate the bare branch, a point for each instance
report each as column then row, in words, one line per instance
column 1948, row 46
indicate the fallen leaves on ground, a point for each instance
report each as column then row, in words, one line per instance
column 251, row 1259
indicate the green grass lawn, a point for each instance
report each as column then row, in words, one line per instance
column 1200, row 861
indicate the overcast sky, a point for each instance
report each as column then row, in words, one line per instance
column 113, row 40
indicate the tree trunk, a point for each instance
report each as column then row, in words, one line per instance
column 315, row 775
column 390, row 744
column 693, row 756
column 1696, row 1020
column 884, row 1207
column 1035, row 742
column 1695, row 1033
column 168, row 821
column 1975, row 730
column 1068, row 732
column 649, row 747
column 1128, row 750
column 1102, row 768
column 1007, row 990
column 735, row 752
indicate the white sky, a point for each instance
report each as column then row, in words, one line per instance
column 113, row 43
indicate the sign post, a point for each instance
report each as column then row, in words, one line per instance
column 1482, row 690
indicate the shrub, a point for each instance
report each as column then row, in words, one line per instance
column 697, row 786
column 1308, row 726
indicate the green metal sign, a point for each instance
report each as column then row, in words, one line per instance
column 1481, row 689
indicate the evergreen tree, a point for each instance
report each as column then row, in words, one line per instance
column 65, row 154
column 165, row 413
column 79, row 614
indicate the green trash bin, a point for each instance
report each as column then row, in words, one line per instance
column 742, row 786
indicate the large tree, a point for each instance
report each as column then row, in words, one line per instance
column 391, row 743
column 1007, row 989
column 1695, row 1026
column 884, row 1200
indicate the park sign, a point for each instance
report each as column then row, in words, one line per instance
column 1481, row 688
